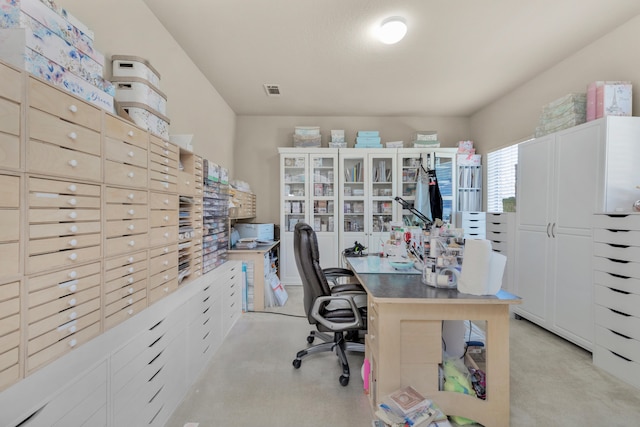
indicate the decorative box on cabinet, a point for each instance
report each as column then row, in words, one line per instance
column 617, row 295
column 11, row 98
column 473, row 224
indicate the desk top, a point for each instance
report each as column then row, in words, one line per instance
column 260, row 248
column 409, row 286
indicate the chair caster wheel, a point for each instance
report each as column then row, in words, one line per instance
column 310, row 339
column 344, row 380
column 298, row 362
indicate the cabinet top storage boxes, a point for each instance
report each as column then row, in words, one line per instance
column 134, row 66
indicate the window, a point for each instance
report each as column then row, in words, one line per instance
column 501, row 179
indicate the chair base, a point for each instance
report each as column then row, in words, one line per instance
column 336, row 343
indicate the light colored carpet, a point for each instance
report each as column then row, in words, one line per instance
column 251, row 381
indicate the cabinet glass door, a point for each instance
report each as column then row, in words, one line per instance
column 353, row 170
column 382, row 169
column 323, row 194
column 294, row 190
column 444, row 164
column 409, row 166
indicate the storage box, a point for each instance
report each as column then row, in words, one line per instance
column 469, row 159
column 136, row 89
column 613, row 99
column 148, row 118
column 254, row 230
column 426, row 135
column 134, row 66
column 69, row 18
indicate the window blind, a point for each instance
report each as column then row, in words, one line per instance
column 501, row 176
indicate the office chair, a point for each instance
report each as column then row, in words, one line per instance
column 333, row 310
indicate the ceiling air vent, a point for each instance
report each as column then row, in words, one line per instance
column 272, row 90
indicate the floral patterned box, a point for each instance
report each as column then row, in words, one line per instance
column 147, row 118
column 10, row 18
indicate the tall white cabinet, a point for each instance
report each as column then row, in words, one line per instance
column 563, row 178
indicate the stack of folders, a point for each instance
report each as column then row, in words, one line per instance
column 368, row 139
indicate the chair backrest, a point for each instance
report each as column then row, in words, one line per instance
column 314, row 282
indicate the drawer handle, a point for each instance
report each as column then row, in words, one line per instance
column 130, row 133
column 73, row 136
column 130, row 301
column 166, row 152
column 73, row 229
column 131, row 269
column 130, row 280
column 165, row 184
column 72, row 302
column 73, row 202
column 131, row 174
column 73, row 343
column 166, row 178
column 166, row 201
column 619, row 261
column 166, row 277
column 166, row 160
column 72, row 187
column 132, row 243
column 131, row 212
column 131, row 154
column 166, row 262
column 73, row 242
column 621, row 335
column 166, row 289
column 73, row 288
column 166, row 144
column 619, row 276
column 73, row 256
column 165, row 250
column 130, row 259
column 620, row 356
column 130, row 312
column 131, row 227
column 73, row 163
column 620, row 313
column 166, row 168
column 73, row 108
column 130, row 291
column 619, row 291
column 131, row 196
column 73, row 315
column 72, row 274
column 73, row 329
column 166, row 218
column 166, row 235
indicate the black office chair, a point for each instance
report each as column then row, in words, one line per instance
column 333, row 310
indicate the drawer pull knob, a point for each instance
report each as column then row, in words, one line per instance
column 73, row 242
column 166, row 177
column 166, row 160
column 73, row 288
column 165, row 184
column 73, row 315
column 132, row 243
column 73, row 329
column 166, row 152
column 73, row 215
column 130, row 301
column 131, row 196
column 166, row 262
column 131, row 227
column 73, row 256
column 73, row 342
column 73, row 108
column 131, row 212
column 131, row 154
column 72, row 274
column 130, row 259
column 73, row 136
column 130, row 312
column 130, row 281
column 166, row 201
column 166, row 218
column 130, row 174
column 73, row 202
column 166, row 289
column 130, row 133
column 166, row 250
column 73, row 163
column 166, row 277
column 166, row 235
column 72, row 302
column 73, row 229
column 72, row 187
column 131, row 269
column 130, row 290
column 166, row 168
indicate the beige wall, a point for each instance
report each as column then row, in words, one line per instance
column 127, row 27
column 514, row 117
column 258, row 139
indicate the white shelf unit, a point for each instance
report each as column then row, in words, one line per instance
column 563, row 179
column 469, row 188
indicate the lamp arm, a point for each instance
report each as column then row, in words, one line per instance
column 420, row 215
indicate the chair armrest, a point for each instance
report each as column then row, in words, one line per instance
column 347, row 287
column 337, row 271
column 357, row 323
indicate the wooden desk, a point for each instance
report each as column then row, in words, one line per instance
column 256, row 255
column 404, row 342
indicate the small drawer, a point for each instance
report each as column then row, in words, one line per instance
column 55, row 244
column 9, row 376
column 54, row 200
column 165, row 277
column 47, row 98
column 163, row 235
column 616, row 236
column 123, row 152
column 501, row 247
column 9, row 341
column 163, row 290
column 125, row 244
column 124, row 260
column 10, row 83
column 621, row 301
column 617, row 221
column 9, row 259
column 9, row 151
column 36, row 283
column 125, row 291
column 47, row 128
column 620, row 267
column 10, row 321
column 9, row 191
column 127, row 227
column 9, row 225
column 496, row 236
column 9, row 117
column 624, row 368
column 157, row 185
column 164, row 177
column 125, row 282
column 119, row 212
column 126, row 270
column 51, row 186
column 40, row 327
column 9, row 359
column 163, row 218
column 124, row 314
column 50, row 159
column 63, row 290
column 163, row 201
column 61, row 332
column 163, row 262
column 156, row 252
column 620, row 344
column 39, row 216
column 123, row 303
column 616, row 281
column 496, row 227
column 8, row 291
column 62, row 259
column 617, row 321
column 163, row 164
column 617, row 252
column 65, row 304
column 122, row 174
column 47, row 355
column 126, row 196
column 158, row 145
column 116, row 127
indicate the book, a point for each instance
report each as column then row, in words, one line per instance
column 407, row 400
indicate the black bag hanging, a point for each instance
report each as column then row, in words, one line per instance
column 435, row 197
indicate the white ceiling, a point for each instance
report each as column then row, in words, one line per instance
column 458, row 55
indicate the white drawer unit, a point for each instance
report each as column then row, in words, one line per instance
column 231, row 297
column 617, row 295
column 473, row 223
column 501, row 231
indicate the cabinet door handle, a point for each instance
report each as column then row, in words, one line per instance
column 548, row 225
column 553, row 230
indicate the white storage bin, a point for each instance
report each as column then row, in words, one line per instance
column 134, row 66
column 136, row 89
column 148, row 118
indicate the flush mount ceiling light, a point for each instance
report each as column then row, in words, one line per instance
column 392, row 30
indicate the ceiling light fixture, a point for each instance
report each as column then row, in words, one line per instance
column 392, row 30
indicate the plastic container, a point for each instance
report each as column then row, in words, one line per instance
column 136, row 89
column 134, row 66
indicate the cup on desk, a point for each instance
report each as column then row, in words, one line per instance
column 373, row 262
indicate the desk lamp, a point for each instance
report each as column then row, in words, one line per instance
column 422, row 217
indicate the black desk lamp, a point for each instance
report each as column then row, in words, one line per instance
column 422, row 217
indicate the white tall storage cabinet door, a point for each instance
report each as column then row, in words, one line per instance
column 323, row 204
column 294, row 173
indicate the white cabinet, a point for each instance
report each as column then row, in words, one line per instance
column 616, row 273
column 474, row 224
column 501, row 231
column 563, row 178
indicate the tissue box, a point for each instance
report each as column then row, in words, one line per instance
column 136, row 89
column 147, row 118
column 10, row 18
column 134, row 66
